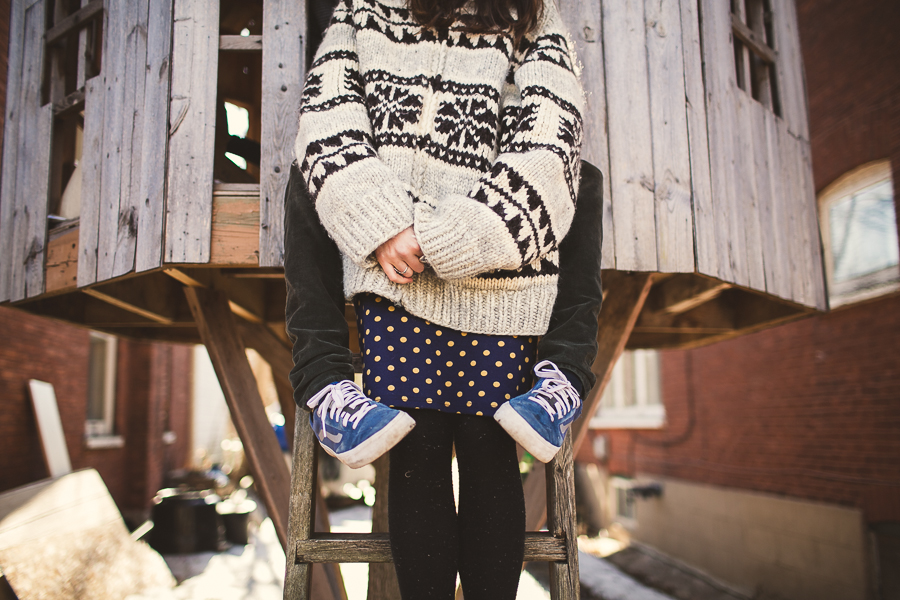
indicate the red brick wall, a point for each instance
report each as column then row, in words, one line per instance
column 810, row 409
column 153, row 395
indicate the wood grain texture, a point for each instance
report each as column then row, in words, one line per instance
column 668, row 121
column 630, row 137
column 773, row 218
column 220, row 335
column 11, row 145
column 302, row 508
column 283, row 60
column 816, row 271
column 195, row 43
column 750, row 135
column 151, row 186
column 718, row 62
column 564, row 582
column 240, row 43
column 91, row 176
column 130, row 202
column 383, row 584
column 376, row 548
column 584, row 22
column 29, row 218
column 62, row 261
column 115, row 33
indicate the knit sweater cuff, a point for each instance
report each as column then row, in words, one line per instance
column 463, row 238
column 360, row 227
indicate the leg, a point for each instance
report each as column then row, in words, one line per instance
column 491, row 510
column 314, row 309
column 421, row 512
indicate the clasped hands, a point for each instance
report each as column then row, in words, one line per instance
column 400, row 256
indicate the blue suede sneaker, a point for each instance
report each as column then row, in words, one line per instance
column 354, row 428
column 540, row 418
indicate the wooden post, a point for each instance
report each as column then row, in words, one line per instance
column 560, row 474
column 219, row 333
column 621, row 308
column 383, row 583
column 303, row 510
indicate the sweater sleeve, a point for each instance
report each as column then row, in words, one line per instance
column 360, row 202
column 520, row 210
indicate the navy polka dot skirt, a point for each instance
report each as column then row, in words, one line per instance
column 409, row 362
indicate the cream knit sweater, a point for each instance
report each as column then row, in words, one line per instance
column 474, row 143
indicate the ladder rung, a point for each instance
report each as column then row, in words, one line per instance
column 376, row 548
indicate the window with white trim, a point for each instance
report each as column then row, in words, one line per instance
column 100, row 421
column 858, row 220
column 633, row 397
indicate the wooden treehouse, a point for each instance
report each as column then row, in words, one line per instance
column 120, row 210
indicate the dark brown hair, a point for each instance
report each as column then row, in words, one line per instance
column 490, row 16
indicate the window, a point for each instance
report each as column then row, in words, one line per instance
column 754, row 54
column 859, row 234
column 623, row 501
column 632, row 399
column 99, row 426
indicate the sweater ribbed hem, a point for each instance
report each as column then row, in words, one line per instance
column 488, row 306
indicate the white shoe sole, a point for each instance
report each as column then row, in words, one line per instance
column 378, row 444
column 519, row 429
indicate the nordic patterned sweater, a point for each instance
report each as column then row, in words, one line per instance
column 474, row 143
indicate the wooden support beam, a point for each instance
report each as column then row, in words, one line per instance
column 383, row 583
column 564, row 583
column 304, row 470
column 220, row 335
column 682, row 292
column 70, row 104
column 74, row 22
column 623, row 304
column 152, row 296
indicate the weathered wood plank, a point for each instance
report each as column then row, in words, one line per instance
column 818, row 294
column 583, row 20
column 376, row 548
column 671, row 154
column 283, row 60
column 219, row 332
column 113, row 76
column 11, row 145
column 151, row 190
column 32, row 166
column 234, row 240
column 719, row 70
column 383, row 584
column 132, row 138
column 768, row 228
column 62, row 261
column 752, row 40
column 91, row 179
column 750, row 135
column 773, row 219
column 302, row 507
column 630, row 139
column 800, row 230
column 707, row 261
column 564, row 584
column 787, row 150
column 195, row 56
column 791, row 83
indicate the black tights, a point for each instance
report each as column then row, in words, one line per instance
column 485, row 542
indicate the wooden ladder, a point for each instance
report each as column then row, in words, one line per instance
column 557, row 546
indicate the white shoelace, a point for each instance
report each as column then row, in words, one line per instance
column 555, row 389
column 335, row 398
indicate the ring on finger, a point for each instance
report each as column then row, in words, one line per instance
column 399, row 272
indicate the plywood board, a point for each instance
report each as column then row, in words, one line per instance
column 53, row 440
column 283, row 60
column 584, row 22
column 195, row 56
column 630, row 141
column 668, row 121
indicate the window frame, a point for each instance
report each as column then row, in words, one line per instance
column 848, row 184
column 644, row 409
column 100, row 433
